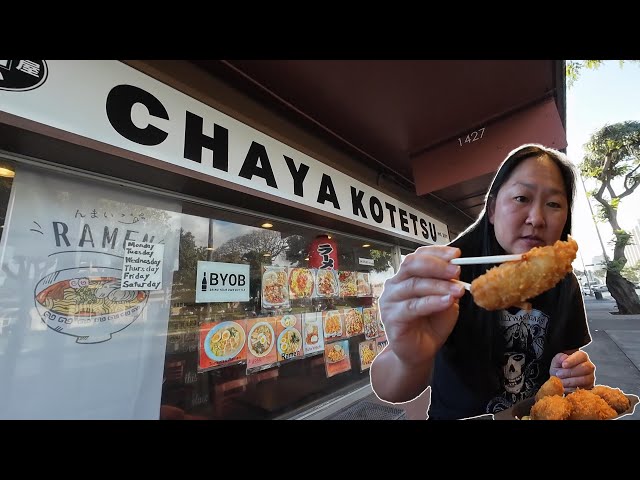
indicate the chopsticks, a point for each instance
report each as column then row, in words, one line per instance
column 487, row 259
column 479, row 260
column 467, row 286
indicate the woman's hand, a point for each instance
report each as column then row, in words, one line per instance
column 575, row 370
column 419, row 304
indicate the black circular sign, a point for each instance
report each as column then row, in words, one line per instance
column 21, row 75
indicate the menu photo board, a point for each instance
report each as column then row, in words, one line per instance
column 332, row 324
column 380, row 324
column 275, row 287
column 289, row 337
column 312, row 333
column 302, row 282
column 367, row 350
column 353, row 323
column 363, row 284
column 221, row 344
column 262, row 352
column 382, row 342
column 336, row 358
column 347, row 282
column 326, row 284
column 370, row 319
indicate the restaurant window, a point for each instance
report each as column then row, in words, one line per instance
column 122, row 302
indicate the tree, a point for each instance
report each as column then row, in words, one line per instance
column 184, row 279
column 257, row 248
column 612, row 158
column 632, row 273
column 573, row 68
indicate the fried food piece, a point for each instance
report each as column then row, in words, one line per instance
column 553, row 386
column 551, row 407
column 613, row 396
column 511, row 283
column 586, row 405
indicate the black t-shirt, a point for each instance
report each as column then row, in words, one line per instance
column 495, row 359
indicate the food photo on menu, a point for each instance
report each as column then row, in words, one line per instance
column 301, row 283
column 353, row 322
column 261, row 342
column 368, row 350
column 332, row 324
column 370, row 319
column 312, row 333
column 275, row 287
column 363, row 284
column 336, row 358
column 382, row 342
column 347, row 282
column 289, row 337
column 221, row 344
column 326, row 283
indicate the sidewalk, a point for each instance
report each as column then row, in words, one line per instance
column 615, row 346
column 614, row 349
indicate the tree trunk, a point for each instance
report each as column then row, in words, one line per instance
column 624, row 293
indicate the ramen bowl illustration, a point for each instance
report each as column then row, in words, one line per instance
column 87, row 303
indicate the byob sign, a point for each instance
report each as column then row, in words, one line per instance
column 222, row 282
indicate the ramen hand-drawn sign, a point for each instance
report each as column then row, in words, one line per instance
column 22, row 75
column 87, row 303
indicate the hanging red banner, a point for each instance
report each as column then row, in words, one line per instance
column 323, row 253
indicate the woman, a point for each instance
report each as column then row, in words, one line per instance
column 478, row 361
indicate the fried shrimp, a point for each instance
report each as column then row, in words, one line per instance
column 553, row 386
column 512, row 283
column 586, row 405
column 551, row 407
column 613, row 396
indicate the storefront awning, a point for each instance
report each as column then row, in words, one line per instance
column 481, row 151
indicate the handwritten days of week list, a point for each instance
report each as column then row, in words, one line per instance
column 142, row 269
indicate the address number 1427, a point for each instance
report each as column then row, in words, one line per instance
column 472, row 137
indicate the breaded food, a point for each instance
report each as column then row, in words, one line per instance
column 551, row 407
column 512, row 283
column 613, row 396
column 586, row 405
column 553, row 386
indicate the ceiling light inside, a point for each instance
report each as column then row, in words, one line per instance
column 267, row 225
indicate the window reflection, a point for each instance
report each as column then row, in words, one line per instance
column 237, row 390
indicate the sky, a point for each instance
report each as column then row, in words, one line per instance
column 608, row 95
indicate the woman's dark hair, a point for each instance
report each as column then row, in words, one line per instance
column 479, row 239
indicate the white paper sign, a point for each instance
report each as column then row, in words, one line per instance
column 142, row 269
column 62, row 238
column 366, row 261
column 222, row 282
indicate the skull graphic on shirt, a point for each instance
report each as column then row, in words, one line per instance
column 524, row 334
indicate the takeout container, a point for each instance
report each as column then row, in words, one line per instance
column 523, row 408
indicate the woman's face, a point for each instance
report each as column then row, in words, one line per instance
column 531, row 207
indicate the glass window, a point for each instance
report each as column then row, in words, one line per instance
column 139, row 305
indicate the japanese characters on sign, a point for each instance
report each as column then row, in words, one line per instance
column 21, row 75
